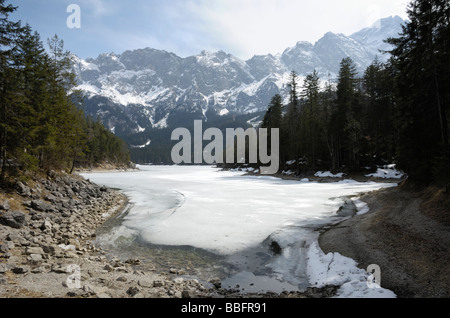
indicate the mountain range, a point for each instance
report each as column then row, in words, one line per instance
column 139, row 91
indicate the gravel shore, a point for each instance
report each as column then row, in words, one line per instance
column 406, row 233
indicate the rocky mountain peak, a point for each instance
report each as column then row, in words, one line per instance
column 144, row 88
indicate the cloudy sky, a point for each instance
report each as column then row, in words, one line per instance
column 186, row 27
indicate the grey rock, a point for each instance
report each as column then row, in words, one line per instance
column 348, row 209
column 42, row 206
column 15, row 219
column 35, row 259
column 34, row 250
column 90, row 289
column 10, row 245
column 216, row 282
column 23, row 189
column 12, row 237
column 186, row 294
column 3, row 268
column 4, row 248
column 4, row 205
column 20, row 269
column 133, row 291
column 46, row 225
column 158, row 283
column 108, row 268
column 59, row 269
column 53, row 250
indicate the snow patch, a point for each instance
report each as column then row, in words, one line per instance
column 162, row 123
column 387, row 172
column 337, row 270
column 224, row 112
column 328, row 174
column 361, row 206
column 144, row 145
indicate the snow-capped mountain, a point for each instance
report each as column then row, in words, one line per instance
column 148, row 88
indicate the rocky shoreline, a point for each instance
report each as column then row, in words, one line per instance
column 47, row 228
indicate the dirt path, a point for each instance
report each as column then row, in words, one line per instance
column 411, row 248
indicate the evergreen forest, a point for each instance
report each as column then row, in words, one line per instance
column 396, row 112
column 42, row 123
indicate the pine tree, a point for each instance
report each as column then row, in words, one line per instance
column 345, row 125
column 32, row 78
column 309, row 124
column 65, row 125
column 421, row 56
column 327, row 106
column 290, row 125
column 379, row 126
column 273, row 117
column 8, row 32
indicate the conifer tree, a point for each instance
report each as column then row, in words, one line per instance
column 309, row 136
column 327, row 101
column 273, row 117
column 8, row 32
column 344, row 124
column 379, row 125
column 421, row 56
column 290, row 124
column 32, row 79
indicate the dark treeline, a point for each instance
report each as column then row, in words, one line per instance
column 395, row 112
column 42, row 125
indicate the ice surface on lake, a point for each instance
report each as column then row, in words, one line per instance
column 227, row 213
column 222, row 212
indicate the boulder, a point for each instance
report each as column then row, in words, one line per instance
column 14, row 219
column 3, row 268
column 42, row 206
column 23, row 189
column 46, row 225
column 4, row 205
column 35, row 259
column 348, row 208
column 133, row 291
column 4, row 248
column 20, row 269
column 34, row 250
column 186, row 294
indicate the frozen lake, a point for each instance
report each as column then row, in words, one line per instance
column 230, row 215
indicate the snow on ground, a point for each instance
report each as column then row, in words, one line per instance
column 324, row 174
column 143, row 146
column 224, row 112
column 335, row 269
column 228, row 213
column 387, row 172
column 362, row 207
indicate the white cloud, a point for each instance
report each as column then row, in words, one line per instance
column 98, row 8
column 240, row 27
column 248, row 27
